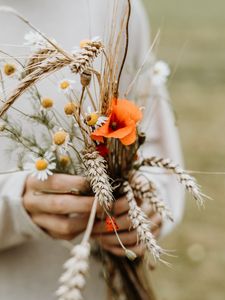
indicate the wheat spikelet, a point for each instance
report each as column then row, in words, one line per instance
column 141, row 223
column 146, row 190
column 188, row 181
column 85, row 57
column 97, row 174
column 73, row 279
column 38, row 57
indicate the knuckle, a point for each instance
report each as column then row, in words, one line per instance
column 58, row 205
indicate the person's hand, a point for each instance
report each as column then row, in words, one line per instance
column 128, row 236
column 52, row 212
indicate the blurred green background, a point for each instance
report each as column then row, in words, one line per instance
column 192, row 41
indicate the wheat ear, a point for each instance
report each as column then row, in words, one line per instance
column 146, row 190
column 96, row 172
column 188, row 181
column 141, row 223
column 73, row 279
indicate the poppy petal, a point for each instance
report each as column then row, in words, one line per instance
column 129, row 139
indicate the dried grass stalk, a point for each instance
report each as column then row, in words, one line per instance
column 97, row 174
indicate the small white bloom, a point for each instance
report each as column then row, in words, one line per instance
column 160, row 72
column 42, row 167
column 35, row 41
column 66, row 86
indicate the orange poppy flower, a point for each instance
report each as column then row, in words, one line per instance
column 121, row 123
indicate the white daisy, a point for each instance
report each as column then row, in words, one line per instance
column 35, row 41
column 60, row 141
column 160, row 72
column 42, row 167
column 66, row 86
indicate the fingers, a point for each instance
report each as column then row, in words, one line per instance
column 127, row 238
column 118, row 251
column 57, row 204
column 59, row 182
column 121, row 206
column 60, row 226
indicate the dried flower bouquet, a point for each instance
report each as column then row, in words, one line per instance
column 101, row 141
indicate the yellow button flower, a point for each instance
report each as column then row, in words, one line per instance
column 9, row 69
column 70, row 108
column 41, row 164
column 60, row 137
column 64, row 160
column 92, row 119
column 47, row 103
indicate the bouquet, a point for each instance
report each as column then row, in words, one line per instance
column 97, row 135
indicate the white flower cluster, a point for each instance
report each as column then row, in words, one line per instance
column 160, row 73
column 141, row 223
column 73, row 280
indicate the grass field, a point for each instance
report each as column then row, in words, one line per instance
column 193, row 42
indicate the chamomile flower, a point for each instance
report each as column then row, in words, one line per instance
column 93, row 119
column 35, row 41
column 46, row 103
column 70, row 108
column 160, row 73
column 60, row 141
column 42, row 167
column 64, row 160
column 11, row 69
column 66, row 86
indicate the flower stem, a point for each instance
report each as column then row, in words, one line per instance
column 90, row 224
